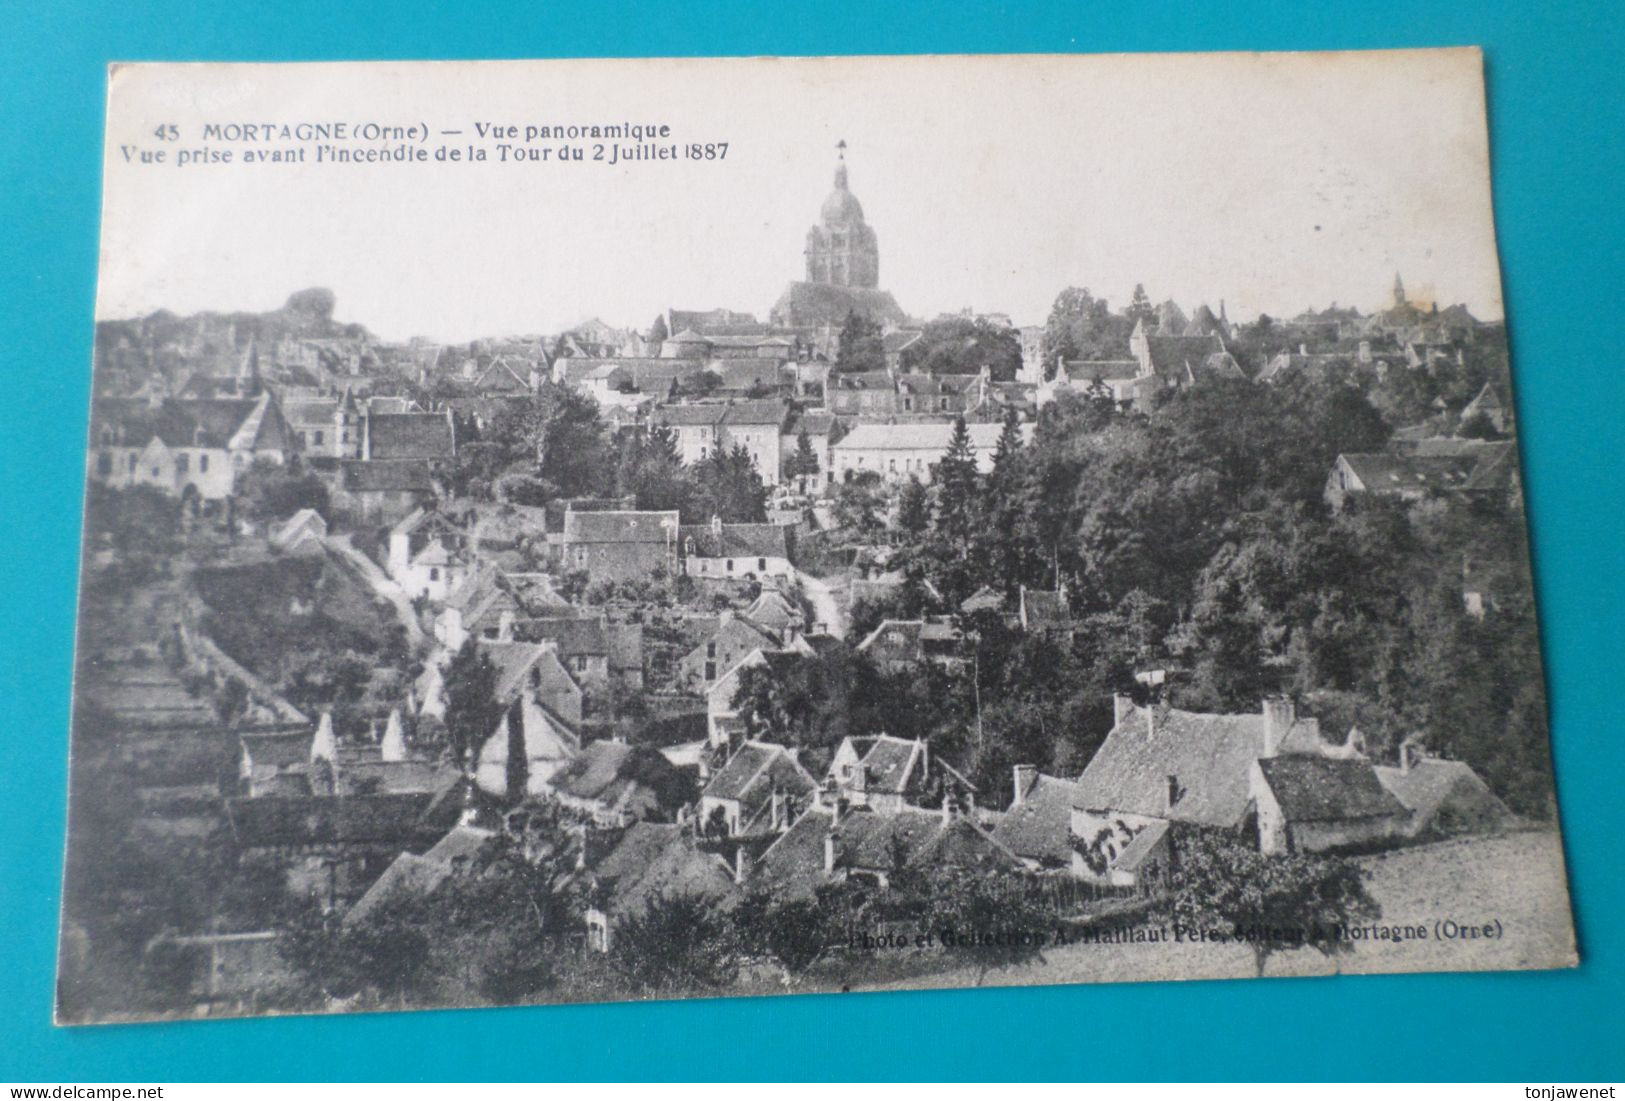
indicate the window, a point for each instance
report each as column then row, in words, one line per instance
column 202, row 464
column 730, row 565
column 761, row 564
column 301, row 438
column 104, row 464
column 710, row 670
column 579, row 663
column 316, row 437
column 710, row 649
column 434, row 573
column 490, row 632
column 183, row 464
column 132, row 464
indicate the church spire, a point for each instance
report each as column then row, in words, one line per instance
column 1399, row 291
column 840, row 165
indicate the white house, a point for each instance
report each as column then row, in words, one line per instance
column 901, row 451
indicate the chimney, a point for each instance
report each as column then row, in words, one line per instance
column 741, row 864
column 1279, row 715
column 829, row 852
column 778, row 808
column 947, row 808
column 1173, row 790
column 1150, row 710
column 1122, row 708
column 1026, row 777
column 1303, row 349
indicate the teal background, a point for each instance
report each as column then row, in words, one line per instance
column 1557, row 114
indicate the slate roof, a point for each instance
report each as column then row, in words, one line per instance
column 662, row 861
column 816, row 422
column 866, row 840
column 1181, row 356
column 403, row 476
column 1432, row 786
column 1040, row 826
column 620, row 527
column 354, row 819
column 766, row 411
column 689, row 415
column 279, row 750
column 614, row 775
column 1382, row 471
column 514, row 661
column 890, row 762
column 754, row 771
column 737, row 541
column 1088, row 370
column 921, row 437
column 1325, row 789
column 410, row 436
column 573, row 635
column 1208, row 755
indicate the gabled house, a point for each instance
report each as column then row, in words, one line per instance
column 427, row 554
column 1442, row 798
column 831, row 843
column 724, row 726
column 546, row 739
column 899, row 645
column 614, row 784
column 619, row 546
column 1037, row 827
column 888, row 774
column 736, row 552
column 760, row 790
column 301, row 533
column 382, row 492
column 1161, row 766
column 189, row 448
column 735, row 637
column 1486, row 404
column 1312, row 803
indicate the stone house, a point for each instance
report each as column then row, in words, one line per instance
column 735, row 552
column 898, row 452
column 1037, row 827
column 619, row 546
column 187, row 448
column 888, row 775
column 428, row 554
column 760, row 790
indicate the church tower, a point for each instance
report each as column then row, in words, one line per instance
column 841, row 248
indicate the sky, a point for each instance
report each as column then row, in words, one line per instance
column 1273, row 182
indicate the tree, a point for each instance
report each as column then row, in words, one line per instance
column 678, row 944
column 658, row 332
column 651, row 472
column 860, row 346
column 557, row 433
column 1081, row 326
column 1223, row 886
column 1140, row 310
column 272, row 491
column 472, row 709
column 914, row 509
column 956, row 480
column 727, row 485
column 963, row 346
column 860, row 502
column 803, row 462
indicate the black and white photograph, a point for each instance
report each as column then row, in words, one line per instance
column 582, row 531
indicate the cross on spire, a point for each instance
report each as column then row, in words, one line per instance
column 840, row 147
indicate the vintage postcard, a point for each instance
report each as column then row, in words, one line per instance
column 592, row 530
